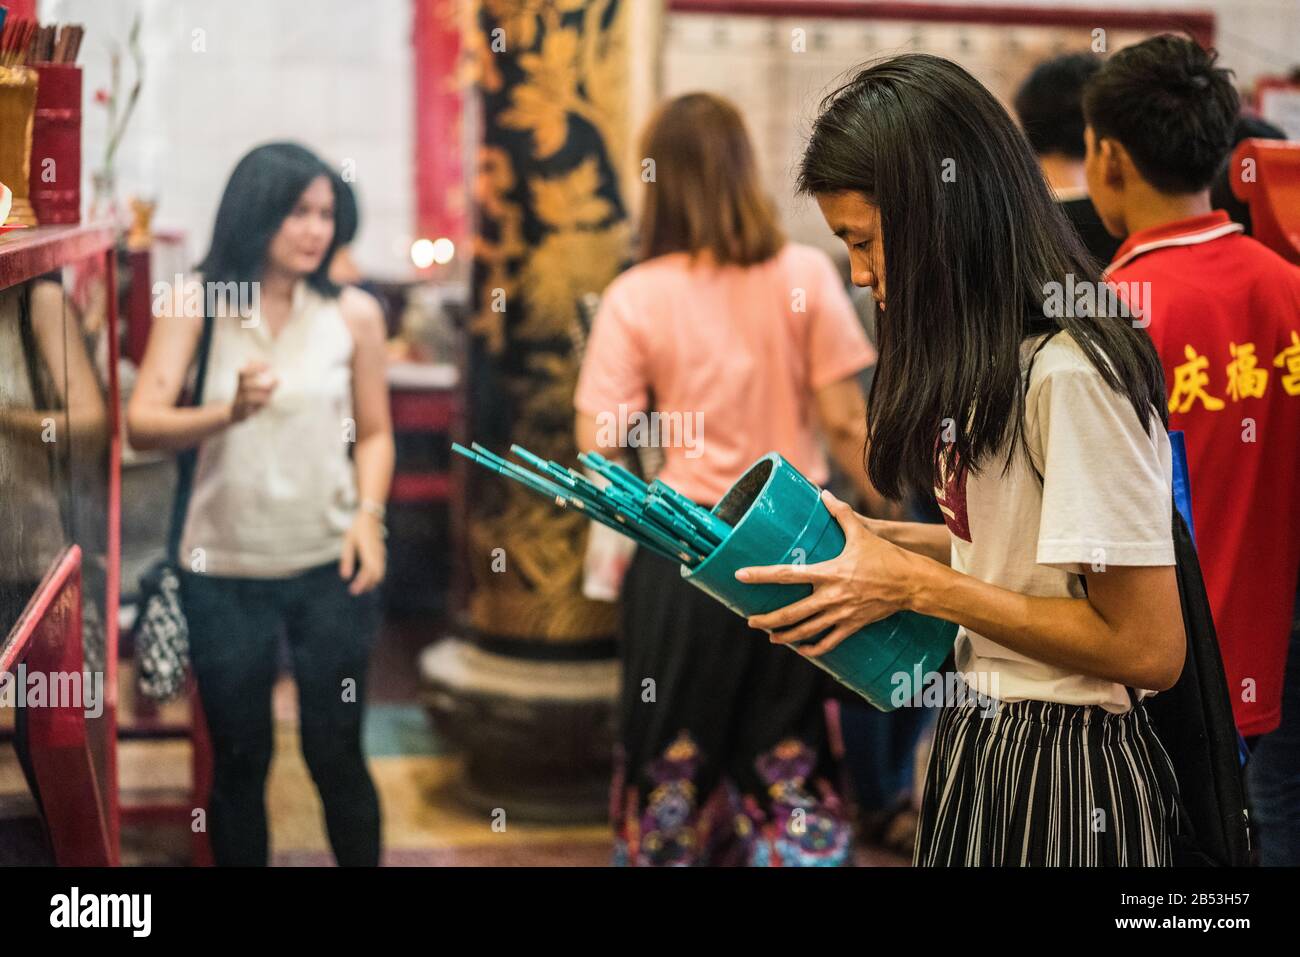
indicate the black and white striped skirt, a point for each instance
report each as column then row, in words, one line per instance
column 1036, row 783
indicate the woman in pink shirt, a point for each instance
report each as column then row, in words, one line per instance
column 724, row 343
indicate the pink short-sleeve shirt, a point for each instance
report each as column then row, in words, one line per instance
column 733, row 357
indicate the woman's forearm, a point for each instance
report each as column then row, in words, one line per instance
column 922, row 538
column 373, row 458
column 171, row 428
column 1066, row 632
column 846, row 450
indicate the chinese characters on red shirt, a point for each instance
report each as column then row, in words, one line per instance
column 1246, row 377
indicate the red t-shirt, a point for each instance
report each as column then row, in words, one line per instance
column 1224, row 313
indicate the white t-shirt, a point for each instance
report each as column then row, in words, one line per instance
column 1105, row 500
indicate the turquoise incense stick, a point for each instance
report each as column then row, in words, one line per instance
column 619, row 511
column 578, row 486
column 615, row 473
column 601, row 512
column 620, row 506
column 698, row 515
column 543, row 485
column 660, row 506
column 583, row 485
column 674, row 523
column 632, row 509
column 503, row 468
column 560, row 475
column 537, row 462
column 572, row 480
column 537, row 483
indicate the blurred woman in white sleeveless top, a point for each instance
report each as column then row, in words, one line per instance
column 284, row 530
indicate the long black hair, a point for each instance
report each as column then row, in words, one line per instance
column 263, row 190
column 972, row 240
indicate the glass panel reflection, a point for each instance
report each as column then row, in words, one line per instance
column 33, row 460
column 54, row 464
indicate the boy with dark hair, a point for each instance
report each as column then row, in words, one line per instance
column 1224, row 312
column 1049, row 105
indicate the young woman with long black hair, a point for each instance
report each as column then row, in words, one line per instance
column 1041, row 432
column 284, row 530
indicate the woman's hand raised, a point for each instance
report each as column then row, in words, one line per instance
column 256, row 384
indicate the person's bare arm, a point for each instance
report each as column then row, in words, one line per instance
column 585, row 431
column 63, row 354
column 152, row 419
column 1129, row 628
column 374, row 455
column 62, row 347
column 923, row 538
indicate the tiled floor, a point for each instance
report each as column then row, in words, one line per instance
column 423, row 821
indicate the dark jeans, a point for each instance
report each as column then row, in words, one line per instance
column 1273, row 773
column 235, row 626
column 880, row 750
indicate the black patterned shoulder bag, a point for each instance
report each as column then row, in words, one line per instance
column 161, row 636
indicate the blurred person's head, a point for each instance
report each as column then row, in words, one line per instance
column 279, row 214
column 1159, row 117
column 1050, row 104
column 705, row 196
column 1221, row 196
column 936, row 194
column 343, row 269
column 347, row 218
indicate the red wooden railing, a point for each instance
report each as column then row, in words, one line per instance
column 77, row 806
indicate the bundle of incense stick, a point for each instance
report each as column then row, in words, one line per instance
column 25, row 41
column 57, row 44
column 15, row 37
column 655, row 516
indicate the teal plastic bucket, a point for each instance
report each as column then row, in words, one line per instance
column 778, row 518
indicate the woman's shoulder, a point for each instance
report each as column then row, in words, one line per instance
column 805, row 254
column 652, row 277
column 805, row 259
column 361, row 313
column 645, row 287
column 1064, row 376
column 184, row 299
column 1060, row 355
column 650, row 271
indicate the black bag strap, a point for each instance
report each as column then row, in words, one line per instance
column 188, row 458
